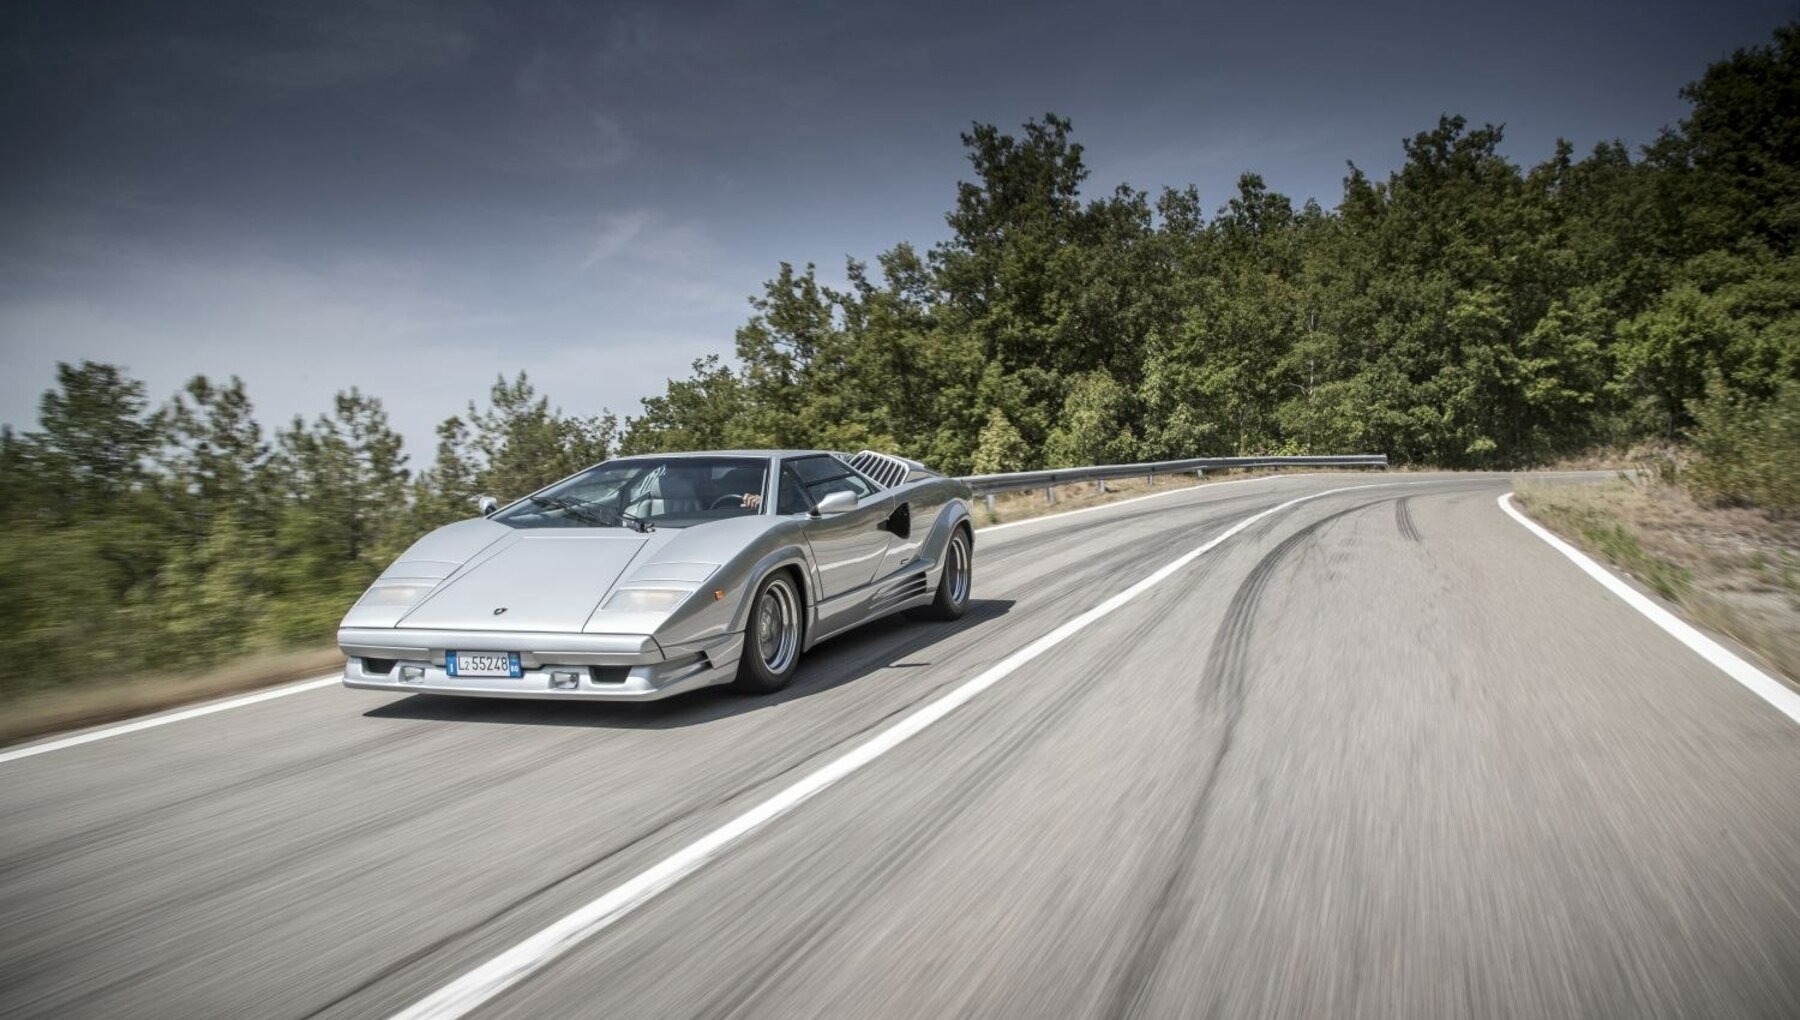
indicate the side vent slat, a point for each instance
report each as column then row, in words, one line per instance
column 885, row 470
column 908, row 588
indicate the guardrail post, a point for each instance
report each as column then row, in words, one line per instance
column 1050, row 494
column 1102, row 486
column 990, row 505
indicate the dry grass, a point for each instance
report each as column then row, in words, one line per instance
column 1734, row 570
column 1639, row 457
column 1019, row 506
column 91, row 701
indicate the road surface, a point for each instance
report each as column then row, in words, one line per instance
column 1383, row 753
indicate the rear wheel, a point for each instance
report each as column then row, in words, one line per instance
column 772, row 638
column 952, row 598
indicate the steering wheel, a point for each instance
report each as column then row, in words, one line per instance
column 736, row 500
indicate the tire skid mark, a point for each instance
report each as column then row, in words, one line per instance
column 657, row 827
column 855, row 664
column 783, row 959
column 777, row 963
column 261, row 870
column 1005, row 547
column 996, row 762
column 1220, row 697
column 1404, row 521
column 1107, row 565
column 116, row 828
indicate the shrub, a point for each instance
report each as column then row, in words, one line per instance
column 1748, row 449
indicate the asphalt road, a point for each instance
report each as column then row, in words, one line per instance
column 1381, row 754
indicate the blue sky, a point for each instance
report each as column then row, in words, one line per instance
column 413, row 197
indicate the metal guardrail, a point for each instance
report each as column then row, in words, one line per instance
column 1019, row 481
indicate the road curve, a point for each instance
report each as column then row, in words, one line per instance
column 1382, row 753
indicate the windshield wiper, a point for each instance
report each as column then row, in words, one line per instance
column 587, row 511
column 579, row 511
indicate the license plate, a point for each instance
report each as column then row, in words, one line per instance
column 482, row 664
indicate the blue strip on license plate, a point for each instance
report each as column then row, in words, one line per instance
column 482, row 664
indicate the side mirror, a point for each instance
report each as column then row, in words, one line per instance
column 835, row 503
column 488, row 505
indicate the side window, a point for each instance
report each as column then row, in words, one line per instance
column 793, row 496
column 826, row 475
column 842, row 483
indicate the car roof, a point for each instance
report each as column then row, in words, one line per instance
column 759, row 454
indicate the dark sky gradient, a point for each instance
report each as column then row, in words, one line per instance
column 413, row 197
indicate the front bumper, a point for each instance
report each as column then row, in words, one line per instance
column 576, row 667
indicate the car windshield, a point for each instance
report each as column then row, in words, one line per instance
column 672, row 492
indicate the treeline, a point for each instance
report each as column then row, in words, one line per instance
column 172, row 537
column 1463, row 312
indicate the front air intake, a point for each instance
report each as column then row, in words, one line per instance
column 609, row 674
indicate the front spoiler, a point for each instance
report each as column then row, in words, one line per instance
column 533, row 647
column 646, row 674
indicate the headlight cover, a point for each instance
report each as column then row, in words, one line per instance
column 646, row 600
column 394, row 594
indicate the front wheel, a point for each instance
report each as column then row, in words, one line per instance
column 772, row 639
column 952, row 598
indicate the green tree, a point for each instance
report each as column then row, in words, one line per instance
column 214, row 458
column 1095, row 424
column 1001, row 448
column 696, row 413
column 341, row 487
column 95, row 440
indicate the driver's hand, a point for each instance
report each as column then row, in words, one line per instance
column 751, row 500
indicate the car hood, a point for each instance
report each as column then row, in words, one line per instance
column 531, row 581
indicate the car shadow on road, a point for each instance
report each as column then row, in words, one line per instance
column 889, row 643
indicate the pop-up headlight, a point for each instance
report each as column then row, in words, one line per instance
column 646, row 600
column 396, row 594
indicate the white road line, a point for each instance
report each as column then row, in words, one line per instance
column 1761, row 684
column 476, row 987
column 163, row 720
column 1196, row 487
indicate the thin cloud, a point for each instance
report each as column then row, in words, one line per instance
column 538, row 143
column 355, row 42
column 614, row 236
column 646, row 237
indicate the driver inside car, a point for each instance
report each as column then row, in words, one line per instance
column 746, row 485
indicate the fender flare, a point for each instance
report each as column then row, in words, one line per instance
column 786, row 556
column 954, row 515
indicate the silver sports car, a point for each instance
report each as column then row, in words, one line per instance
column 647, row 576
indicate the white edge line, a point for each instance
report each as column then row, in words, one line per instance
column 1761, row 684
column 154, row 721
column 1198, row 486
column 513, row 965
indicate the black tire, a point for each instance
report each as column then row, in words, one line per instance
column 771, row 636
column 952, row 599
